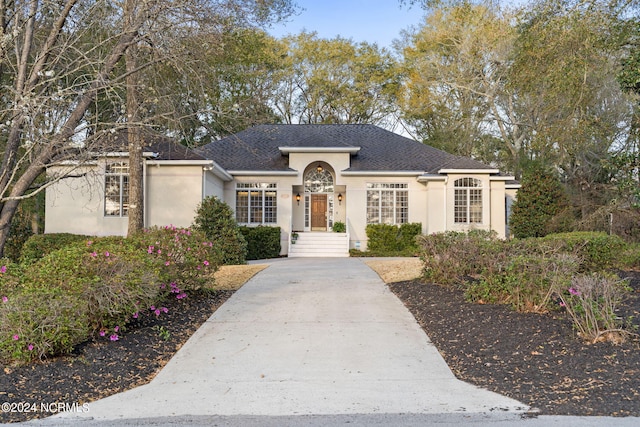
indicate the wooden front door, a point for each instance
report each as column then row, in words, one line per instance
column 318, row 212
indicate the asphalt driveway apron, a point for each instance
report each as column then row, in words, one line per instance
column 305, row 336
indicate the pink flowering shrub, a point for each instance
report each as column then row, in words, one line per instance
column 184, row 256
column 36, row 324
column 74, row 292
column 96, row 287
column 592, row 301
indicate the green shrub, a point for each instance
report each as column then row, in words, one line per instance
column 39, row 245
column 80, row 289
column 525, row 281
column 113, row 276
column 392, row 239
column 339, row 227
column 19, row 233
column 630, row 259
column 262, row 242
column 35, row 324
column 450, row 257
column 407, row 236
column 216, row 219
column 97, row 286
column 10, row 276
column 596, row 251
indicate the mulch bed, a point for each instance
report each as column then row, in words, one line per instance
column 536, row 359
column 533, row 358
column 102, row 367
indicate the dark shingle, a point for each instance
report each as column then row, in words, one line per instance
column 164, row 146
column 256, row 148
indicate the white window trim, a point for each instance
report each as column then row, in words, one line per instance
column 261, row 187
column 379, row 188
column 467, row 205
column 121, row 211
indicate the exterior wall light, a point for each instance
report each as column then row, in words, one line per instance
column 340, row 198
column 298, row 198
column 319, row 168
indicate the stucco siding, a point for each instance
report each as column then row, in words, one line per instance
column 213, row 186
column 436, row 207
column 172, row 194
column 76, row 205
column 498, row 212
column 285, row 200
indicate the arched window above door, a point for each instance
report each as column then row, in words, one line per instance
column 318, row 181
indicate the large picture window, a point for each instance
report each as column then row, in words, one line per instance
column 387, row 203
column 256, row 203
column 116, row 189
column 467, row 207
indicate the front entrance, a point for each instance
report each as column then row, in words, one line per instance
column 318, row 212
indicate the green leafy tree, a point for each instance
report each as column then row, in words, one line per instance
column 540, row 199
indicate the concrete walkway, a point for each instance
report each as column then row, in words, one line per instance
column 305, row 336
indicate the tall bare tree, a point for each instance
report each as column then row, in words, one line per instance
column 337, row 81
column 58, row 58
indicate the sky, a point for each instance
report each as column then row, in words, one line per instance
column 373, row 21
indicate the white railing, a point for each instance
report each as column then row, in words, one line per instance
column 347, row 226
column 290, row 235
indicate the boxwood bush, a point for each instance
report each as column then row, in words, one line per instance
column 262, row 242
column 387, row 239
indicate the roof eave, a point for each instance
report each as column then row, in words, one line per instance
column 431, row 177
column 469, row 171
column 203, row 162
column 381, row 173
column 350, row 150
column 263, row 173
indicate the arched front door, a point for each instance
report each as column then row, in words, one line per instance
column 318, row 187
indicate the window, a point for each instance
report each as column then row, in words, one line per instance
column 256, row 203
column 318, row 181
column 116, row 189
column 467, row 198
column 387, row 203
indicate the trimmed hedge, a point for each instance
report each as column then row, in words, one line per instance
column 392, row 239
column 596, row 251
column 262, row 242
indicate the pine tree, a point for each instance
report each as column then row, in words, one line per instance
column 540, row 198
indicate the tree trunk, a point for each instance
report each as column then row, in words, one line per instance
column 136, row 170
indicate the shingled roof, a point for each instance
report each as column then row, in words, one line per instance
column 257, row 149
column 164, row 147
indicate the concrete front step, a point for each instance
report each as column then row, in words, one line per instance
column 320, row 244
